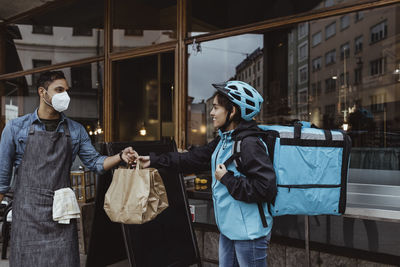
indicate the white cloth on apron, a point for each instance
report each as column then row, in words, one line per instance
column 65, row 206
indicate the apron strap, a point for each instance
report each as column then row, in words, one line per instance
column 32, row 129
column 66, row 129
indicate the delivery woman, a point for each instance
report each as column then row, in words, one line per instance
column 240, row 193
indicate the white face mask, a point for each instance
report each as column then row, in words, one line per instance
column 59, row 101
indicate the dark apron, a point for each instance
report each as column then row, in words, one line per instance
column 37, row 240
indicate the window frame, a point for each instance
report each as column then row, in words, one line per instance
column 326, row 28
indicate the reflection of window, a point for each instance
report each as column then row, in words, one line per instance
column 330, row 109
column 377, row 66
column 133, row 32
column 330, row 30
column 258, row 65
column 378, row 32
column 303, row 51
column 357, row 76
column 303, row 74
column 313, row 89
column 81, row 77
column 319, row 88
column 330, row 57
column 344, row 50
column 316, row 64
column 131, row 18
column 41, row 29
column 378, row 103
column 316, row 38
column 303, row 97
column 302, row 30
column 82, row 31
column 37, row 63
column 358, row 44
column 344, row 22
column 358, row 16
column 330, row 85
column 258, row 81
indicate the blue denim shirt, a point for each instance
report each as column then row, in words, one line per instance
column 15, row 135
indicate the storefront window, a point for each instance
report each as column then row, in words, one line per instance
column 206, row 16
column 143, row 23
column 334, row 87
column 56, row 35
column 19, row 97
column 355, row 92
column 143, row 92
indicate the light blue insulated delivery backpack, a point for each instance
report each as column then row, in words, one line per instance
column 311, row 167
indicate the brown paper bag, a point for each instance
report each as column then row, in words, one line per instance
column 135, row 196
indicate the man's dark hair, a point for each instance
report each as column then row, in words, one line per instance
column 224, row 101
column 46, row 78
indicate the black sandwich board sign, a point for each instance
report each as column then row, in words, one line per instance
column 168, row 240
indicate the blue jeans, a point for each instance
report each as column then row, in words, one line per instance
column 244, row 253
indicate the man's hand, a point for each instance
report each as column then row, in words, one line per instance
column 220, row 171
column 129, row 155
column 144, row 161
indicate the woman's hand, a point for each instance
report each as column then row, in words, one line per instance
column 144, row 161
column 220, row 171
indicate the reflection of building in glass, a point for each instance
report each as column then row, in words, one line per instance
column 38, row 46
column 41, row 46
column 211, row 132
column 250, row 70
column 60, row 45
column 298, row 71
column 197, row 126
column 275, row 107
column 353, row 61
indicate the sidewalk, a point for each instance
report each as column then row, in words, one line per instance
column 4, row 263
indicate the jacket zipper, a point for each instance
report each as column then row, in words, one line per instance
column 216, row 157
column 306, row 186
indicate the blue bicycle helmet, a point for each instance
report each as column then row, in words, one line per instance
column 243, row 95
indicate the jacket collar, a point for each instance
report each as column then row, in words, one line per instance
column 225, row 134
column 243, row 126
column 35, row 117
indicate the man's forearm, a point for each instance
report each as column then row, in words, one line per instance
column 128, row 155
column 1, row 197
column 110, row 162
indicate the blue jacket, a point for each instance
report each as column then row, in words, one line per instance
column 15, row 135
column 235, row 197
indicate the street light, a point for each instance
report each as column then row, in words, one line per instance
column 397, row 71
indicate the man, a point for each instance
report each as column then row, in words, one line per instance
column 42, row 146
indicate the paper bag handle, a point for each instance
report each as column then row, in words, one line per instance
column 138, row 165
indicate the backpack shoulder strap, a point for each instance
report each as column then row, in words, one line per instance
column 269, row 138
